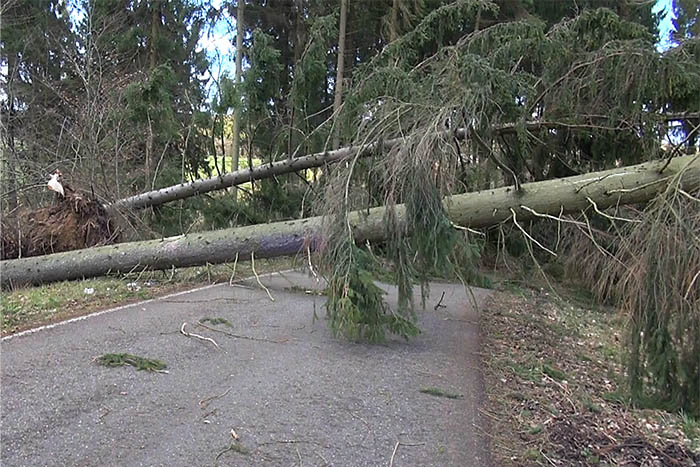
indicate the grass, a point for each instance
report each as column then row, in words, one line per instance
column 691, row 429
column 27, row 307
column 140, row 363
column 437, row 392
column 553, row 372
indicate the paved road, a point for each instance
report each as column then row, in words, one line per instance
column 310, row 400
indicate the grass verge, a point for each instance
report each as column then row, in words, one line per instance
column 29, row 307
column 556, row 392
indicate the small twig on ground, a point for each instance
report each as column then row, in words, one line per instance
column 439, row 303
column 322, row 458
column 238, row 336
column 236, row 447
column 107, row 412
column 252, row 266
column 233, row 274
column 287, row 441
column 396, row 448
column 311, row 266
column 203, row 402
column 189, row 334
column 547, row 458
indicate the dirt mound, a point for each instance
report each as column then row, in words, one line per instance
column 75, row 221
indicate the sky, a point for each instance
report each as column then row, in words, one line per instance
column 666, row 25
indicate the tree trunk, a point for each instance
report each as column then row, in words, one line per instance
column 205, row 185
column 475, row 210
column 394, row 31
column 155, row 23
column 153, row 61
column 235, row 147
column 9, row 158
column 339, row 75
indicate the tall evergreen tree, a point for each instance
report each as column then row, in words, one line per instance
column 34, row 39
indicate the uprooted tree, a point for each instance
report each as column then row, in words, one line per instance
column 546, row 199
column 475, row 94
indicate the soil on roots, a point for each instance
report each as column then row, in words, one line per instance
column 75, row 221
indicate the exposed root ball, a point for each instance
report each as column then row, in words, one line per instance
column 76, row 221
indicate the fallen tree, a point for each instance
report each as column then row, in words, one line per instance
column 295, row 164
column 596, row 190
column 205, row 185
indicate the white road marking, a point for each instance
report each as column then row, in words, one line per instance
column 123, row 307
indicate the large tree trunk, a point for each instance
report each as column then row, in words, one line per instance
column 608, row 188
column 8, row 156
column 236, row 146
column 153, row 61
column 339, row 74
column 394, row 31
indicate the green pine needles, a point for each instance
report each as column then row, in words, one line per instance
column 140, row 363
column 662, row 302
column 356, row 308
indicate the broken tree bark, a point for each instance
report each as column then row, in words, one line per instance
column 481, row 209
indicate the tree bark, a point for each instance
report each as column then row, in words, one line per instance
column 205, row 185
column 153, row 61
column 625, row 185
column 394, row 32
column 155, row 23
column 235, row 147
column 8, row 155
column 339, row 75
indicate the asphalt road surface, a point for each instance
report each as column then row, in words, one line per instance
column 300, row 397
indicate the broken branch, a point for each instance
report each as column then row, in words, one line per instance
column 190, row 334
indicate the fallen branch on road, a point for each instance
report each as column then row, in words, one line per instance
column 238, row 336
column 189, row 334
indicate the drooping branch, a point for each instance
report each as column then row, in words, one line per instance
column 625, row 185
